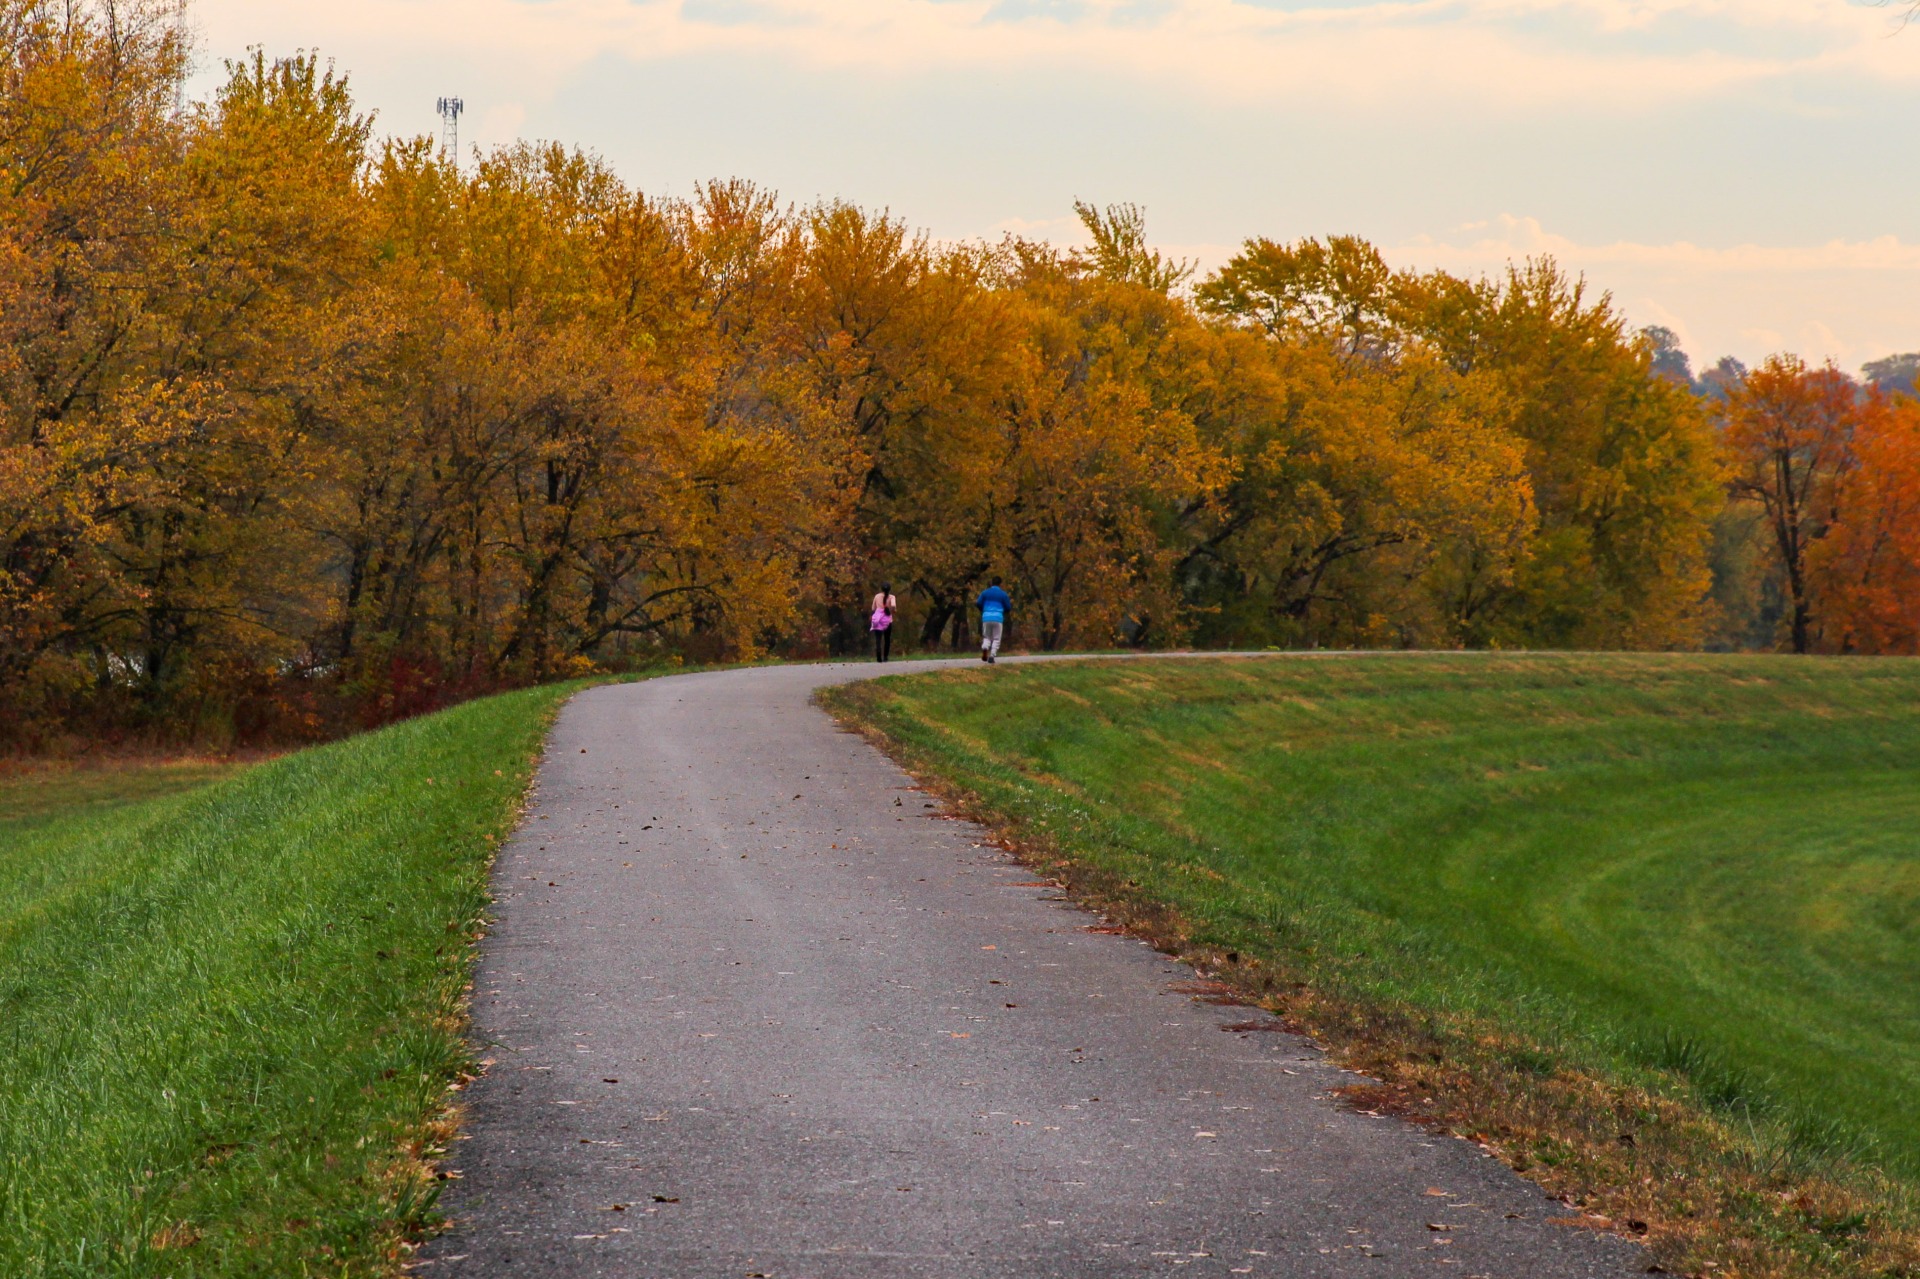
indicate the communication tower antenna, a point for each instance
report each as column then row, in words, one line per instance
column 450, row 109
column 180, row 39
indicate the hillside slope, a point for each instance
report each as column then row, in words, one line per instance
column 1689, row 877
column 230, row 1016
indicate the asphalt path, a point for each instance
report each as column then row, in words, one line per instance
column 756, row 1006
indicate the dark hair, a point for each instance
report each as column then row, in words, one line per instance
column 996, row 579
column 886, row 588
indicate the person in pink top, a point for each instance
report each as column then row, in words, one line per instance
column 881, row 622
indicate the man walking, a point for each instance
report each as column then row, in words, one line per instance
column 993, row 604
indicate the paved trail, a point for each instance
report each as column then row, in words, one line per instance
column 749, row 985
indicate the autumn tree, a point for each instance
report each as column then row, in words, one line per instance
column 1624, row 468
column 1894, row 374
column 87, row 140
column 644, row 457
column 910, row 348
column 157, row 357
column 1789, row 428
column 1864, row 575
column 1339, row 292
column 1120, row 253
column 1373, row 466
column 1102, row 451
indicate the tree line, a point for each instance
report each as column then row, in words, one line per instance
column 302, row 428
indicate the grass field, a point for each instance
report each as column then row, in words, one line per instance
column 229, row 999
column 33, row 795
column 1696, row 875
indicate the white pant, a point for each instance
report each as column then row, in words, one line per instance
column 990, row 637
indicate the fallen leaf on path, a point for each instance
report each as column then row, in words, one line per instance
column 1207, row 992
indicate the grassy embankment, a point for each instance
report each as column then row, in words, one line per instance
column 1647, row 925
column 230, row 1005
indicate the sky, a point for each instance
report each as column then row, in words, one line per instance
column 1741, row 171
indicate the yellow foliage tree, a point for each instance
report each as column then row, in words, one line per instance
column 299, row 430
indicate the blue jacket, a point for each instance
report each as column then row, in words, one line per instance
column 994, row 604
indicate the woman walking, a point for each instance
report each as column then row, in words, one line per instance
column 881, row 622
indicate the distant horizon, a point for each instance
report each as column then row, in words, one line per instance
column 1727, row 170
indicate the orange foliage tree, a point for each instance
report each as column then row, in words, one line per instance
column 1790, row 429
column 1865, row 573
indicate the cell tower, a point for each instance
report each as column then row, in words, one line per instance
column 182, row 38
column 450, row 109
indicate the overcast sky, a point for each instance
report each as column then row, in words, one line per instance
column 1743, row 171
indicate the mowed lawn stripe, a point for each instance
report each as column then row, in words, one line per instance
column 229, row 1018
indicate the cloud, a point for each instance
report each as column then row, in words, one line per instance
column 1067, row 231
column 1846, row 300
column 1509, row 238
column 1620, row 54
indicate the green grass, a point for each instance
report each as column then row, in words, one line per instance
column 1708, row 866
column 34, row 794
column 230, row 1005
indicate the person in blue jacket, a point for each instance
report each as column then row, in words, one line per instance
column 993, row 604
